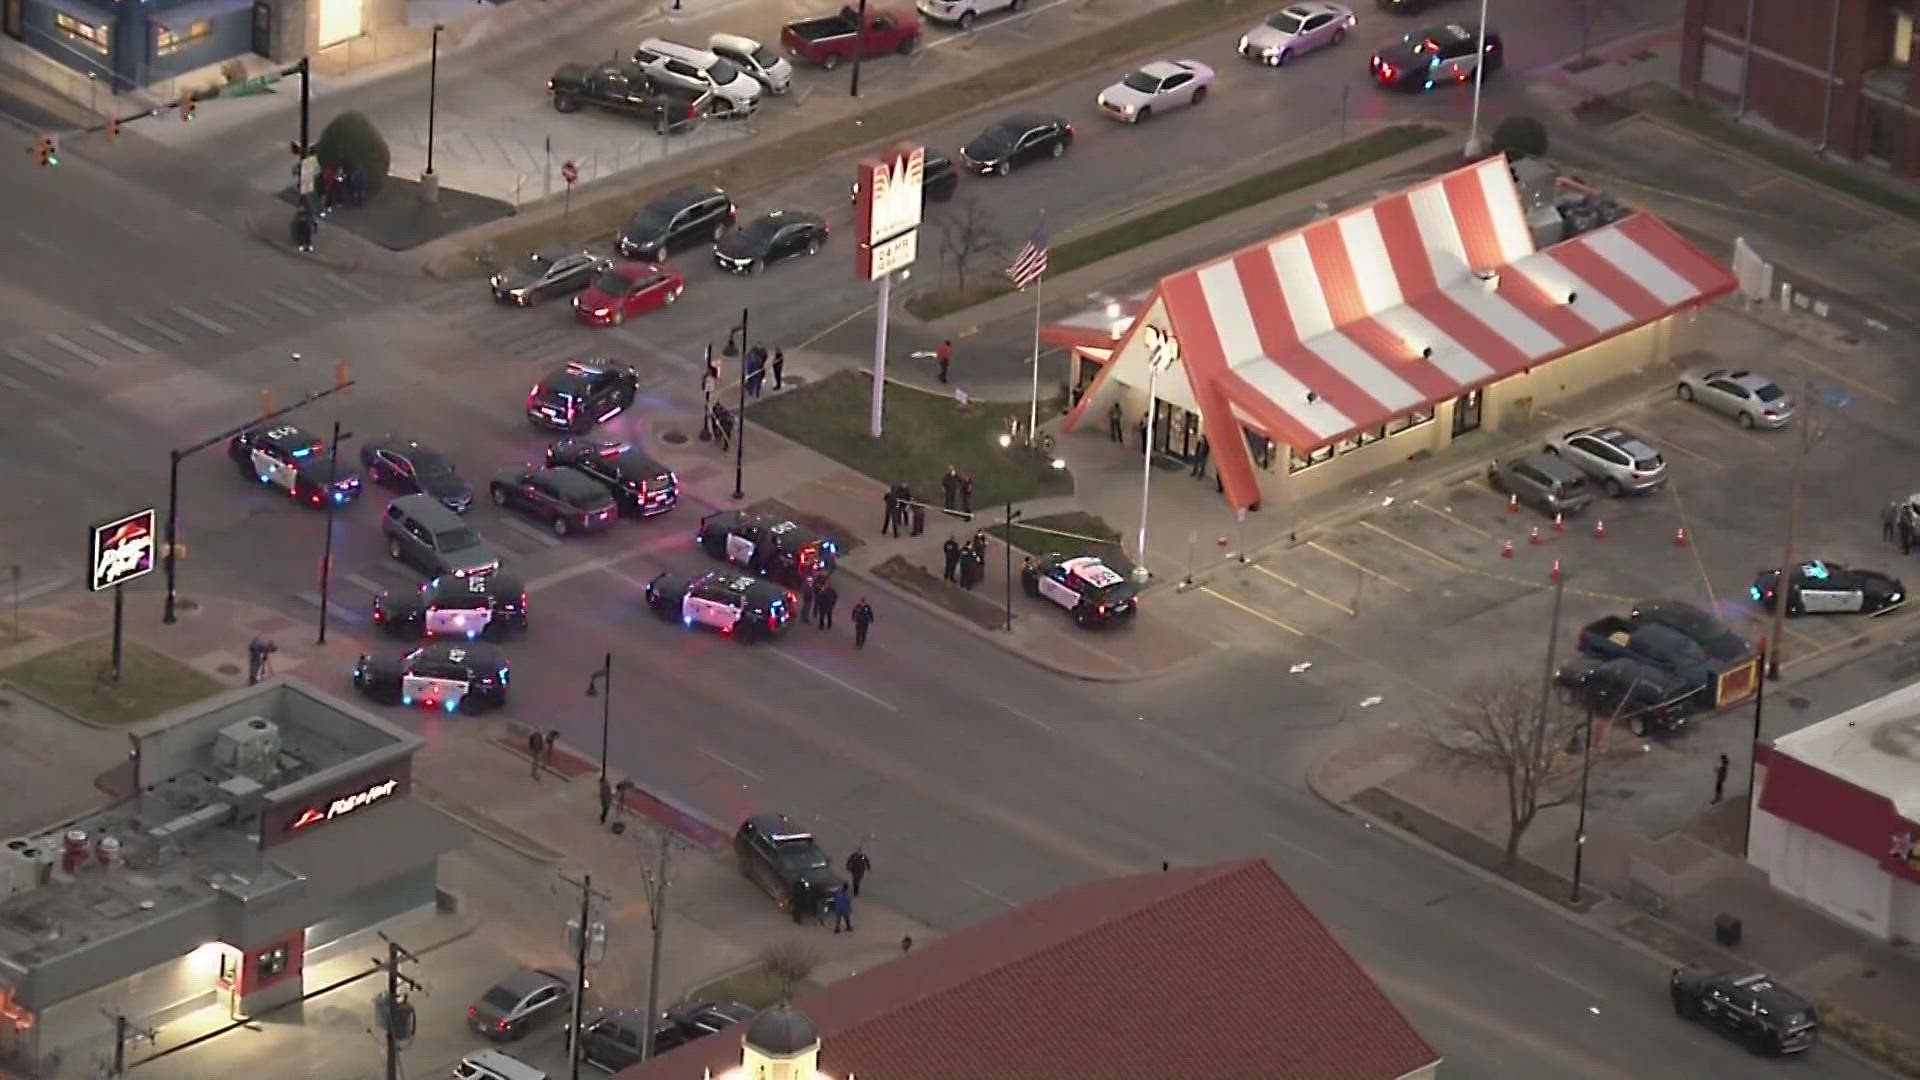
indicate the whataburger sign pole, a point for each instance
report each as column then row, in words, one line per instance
column 118, row 552
column 887, row 223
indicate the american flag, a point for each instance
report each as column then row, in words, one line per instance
column 1031, row 261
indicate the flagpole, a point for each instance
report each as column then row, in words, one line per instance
column 1033, row 409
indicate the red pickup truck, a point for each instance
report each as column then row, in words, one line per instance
column 832, row 38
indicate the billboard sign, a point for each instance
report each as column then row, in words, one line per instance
column 120, row 551
column 887, row 210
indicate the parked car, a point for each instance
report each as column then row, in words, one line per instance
column 620, row 86
column 1158, row 87
column 1094, row 593
column 1406, row 7
column 1647, row 699
column 545, row 274
column 1436, row 56
column 640, row 485
column 738, row 605
column 829, row 39
column 610, row 1039
column 1752, row 399
column 566, row 500
column 581, row 394
column 773, row 237
column 779, row 856
column 420, row 531
column 687, row 217
column 938, row 180
column 482, row 605
column 1763, row 1015
column 409, row 466
column 1721, row 644
column 1541, row 481
column 495, row 1065
column 770, row 546
column 452, row 676
column 1818, row 587
column 736, row 93
column 509, row 1009
column 1300, row 28
column 962, row 13
column 626, row 292
column 1015, row 141
column 761, row 63
column 1620, row 460
column 1662, row 646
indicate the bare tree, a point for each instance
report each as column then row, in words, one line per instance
column 1500, row 728
column 967, row 235
column 787, row 964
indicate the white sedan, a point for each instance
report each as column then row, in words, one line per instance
column 1300, row 28
column 1157, row 87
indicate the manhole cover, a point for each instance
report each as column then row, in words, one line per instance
column 228, row 669
column 1797, row 702
column 673, row 438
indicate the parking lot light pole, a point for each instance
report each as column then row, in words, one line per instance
column 600, row 685
column 1580, row 830
column 332, row 498
column 1479, row 77
column 742, row 349
column 1753, row 749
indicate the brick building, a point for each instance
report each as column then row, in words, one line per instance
column 1836, row 73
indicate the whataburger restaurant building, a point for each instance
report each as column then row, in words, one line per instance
column 1314, row 358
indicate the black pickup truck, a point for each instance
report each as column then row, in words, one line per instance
column 623, row 87
column 1661, row 646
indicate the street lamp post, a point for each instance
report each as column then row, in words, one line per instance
column 1479, row 77
column 430, row 183
column 1162, row 350
column 859, row 47
column 741, row 349
column 1753, row 748
column 1012, row 516
column 1580, row 830
column 600, row 685
column 332, row 498
column 1783, row 585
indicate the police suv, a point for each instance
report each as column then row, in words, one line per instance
column 1093, row 591
column 733, row 603
column 467, row 676
column 487, row 605
column 1819, row 587
column 290, row 459
column 768, row 546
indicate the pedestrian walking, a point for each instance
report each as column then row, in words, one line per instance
column 892, row 521
column 862, row 622
column 842, row 910
column 1720, row 779
column 606, row 799
column 1889, row 514
column 536, row 746
column 304, row 226
column 950, row 488
column 857, row 866
column 951, row 550
column 779, row 369
column 980, row 544
column 1114, row 419
column 1905, row 529
column 971, row 568
column 943, row 356
column 823, row 607
column 906, row 502
column 809, row 590
column 756, row 371
column 1202, row 450
column 919, row 512
column 966, row 493
column 1140, row 432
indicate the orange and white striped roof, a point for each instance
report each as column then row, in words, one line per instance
column 1344, row 324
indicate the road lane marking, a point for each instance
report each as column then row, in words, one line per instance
column 202, row 321
column 1435, row 556
column 366, row 583
column 35, row 592
column 1284, row 580
column 1884, row 397
column 1570, row 1061
column 1367, row 570
column 163, row 330
column 546, row 539
column 988, row 893
column 11, row 383
column 294, row 306
column 243, row 312
column 1505, row 579
column 76, row 349
column 607, row 563
column 41, row 366
column 1755, row 189
column 335, row 609
column 120, row 339
column 834, row 679
column 741, row 769
column 1454, row 519
column 337, row 280
column 1261, row 615
column 1569, row 980
column 1297, row 849
column 1034, row 720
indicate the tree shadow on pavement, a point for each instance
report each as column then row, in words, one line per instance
column 396, row 219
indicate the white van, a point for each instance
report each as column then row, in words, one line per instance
column 494, row 1065
column 765, row 65
column 961, row 13
column 737, row 92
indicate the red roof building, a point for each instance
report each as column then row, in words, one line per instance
column 1391, row 329
column 1837, row 819
column 1206, row 971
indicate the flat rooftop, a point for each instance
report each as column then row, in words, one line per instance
column 191, row 831
column 1875, row 746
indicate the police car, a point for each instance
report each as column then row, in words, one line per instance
column 1818, row 587
column 1093, row 591
column 642, row 486
column 465, row 676
column 732, row 603
column 294, row 461
column 488, row 605
column 768, row 546
column 580, row 395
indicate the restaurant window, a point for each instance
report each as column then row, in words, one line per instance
column 1373, row 436
column 92, row 35
column 1412, row 420
column 1346, row 445
column 169, row 41
column 273, row 962
column 1296, row 462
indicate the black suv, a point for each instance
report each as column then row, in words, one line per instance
column 775, row 853
column 566, row 500
column 674, row 222
column 770, row 547
column 1752, row 1008
column 580, row 395
column 642, row 486
column 611, row 1039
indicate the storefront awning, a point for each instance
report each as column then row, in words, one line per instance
column 372, row 845
column 1398, row 305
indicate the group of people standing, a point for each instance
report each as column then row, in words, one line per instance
column 336, row 186
column 808, row 902
column 966, row 563
column 818, row 599
column 757, row 366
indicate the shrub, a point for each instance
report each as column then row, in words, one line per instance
column 350, row 140
column 1521, row 137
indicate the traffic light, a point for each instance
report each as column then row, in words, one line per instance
column 47, row 149
column 186, row 106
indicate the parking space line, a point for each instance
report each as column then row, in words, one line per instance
column 1261, row 615
column 1434, row 555
column 1289, row 582
column 1505, row 579
column 1884, row 397
column 163, row 330
column 1699, row 561
column 1369, row 571
column 1667, row 442
column 1448, row 516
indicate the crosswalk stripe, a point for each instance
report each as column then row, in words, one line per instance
column 367, row 583
column 193, row 316
column 41, row 366
column 297, row 308
column 351, row 287
column 11, row 383
column 120, row 339
column 321, row 296
column 162, row 329
column 78, row 350
column 335, row 609
column 243, row 312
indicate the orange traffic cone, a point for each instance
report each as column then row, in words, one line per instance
column 1599, row 530
column 1679, row 538
column 1559, row 525
column 1506, row 549
column 1513, row 504
column 1556, row 570
column 1533, row 535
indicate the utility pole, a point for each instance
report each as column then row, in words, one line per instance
column 332, row 498
column 1753, row 749
column 1784, row 584
column 392, row 1010
column 124, row 1033
column 590, row 943
column 1553, row 642
column 1012, row 516
column 656, row 882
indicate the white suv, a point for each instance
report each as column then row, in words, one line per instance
column 961, row 13
column 737, row 94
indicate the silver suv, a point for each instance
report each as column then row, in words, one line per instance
column 1543, row 482
column 1620, row 460
column 435, row 540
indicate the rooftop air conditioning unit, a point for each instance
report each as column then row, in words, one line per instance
column 1489, row 279
column 250, row 748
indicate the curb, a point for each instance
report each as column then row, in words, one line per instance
column 497, row 831
column 274, row 237
column 14, row 688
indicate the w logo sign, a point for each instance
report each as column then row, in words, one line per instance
column 892, row 195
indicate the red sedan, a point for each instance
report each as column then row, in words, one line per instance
column 626, row 291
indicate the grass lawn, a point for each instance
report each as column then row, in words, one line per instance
column 1092, row 247
column 1782, row 153
column 74, row 679
column 925, row 434
column 1071, row 534
column 750, row 986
